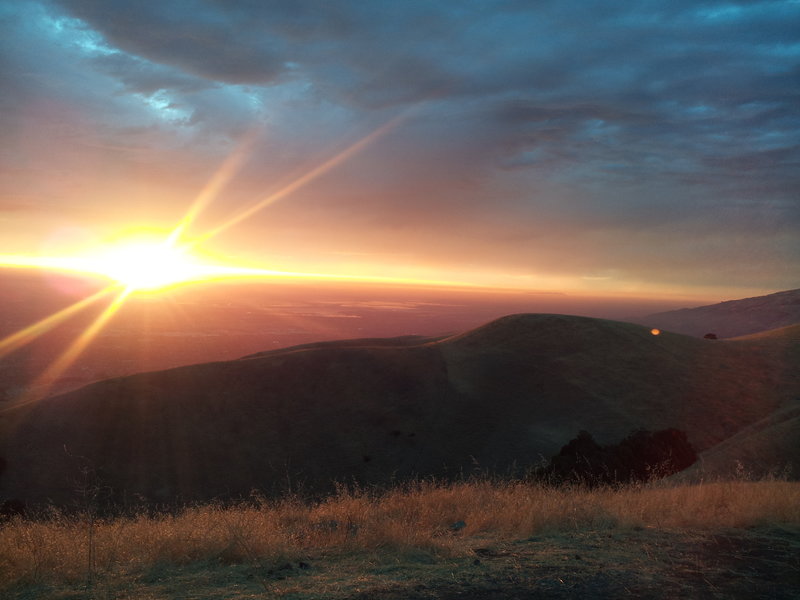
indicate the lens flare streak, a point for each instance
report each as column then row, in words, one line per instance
column 221, row 177
column 30, row 333
column 303, row 180
column 57, row 368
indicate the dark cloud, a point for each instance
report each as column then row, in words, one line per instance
column 591, row 117
column 200, row 38
column 143, row 77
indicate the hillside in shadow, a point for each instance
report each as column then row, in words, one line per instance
column 501, row 398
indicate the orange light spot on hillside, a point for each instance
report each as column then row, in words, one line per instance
column 655, row 331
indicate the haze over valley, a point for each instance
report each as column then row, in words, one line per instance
column 501, row 396
column 227, row 320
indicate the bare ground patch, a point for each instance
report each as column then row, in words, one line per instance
column 743, row 564
column 758, row 563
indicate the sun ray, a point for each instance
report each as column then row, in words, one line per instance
column 230, row 167
column 42, row 385
column 303, row 180
column 30, row 333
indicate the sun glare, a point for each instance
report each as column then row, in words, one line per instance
column 147, row 266
column 151, row 264
column 138, row 264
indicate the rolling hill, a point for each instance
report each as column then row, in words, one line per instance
column 770, row 446
column 500, row 397
column 224, row 320
column 732, row 318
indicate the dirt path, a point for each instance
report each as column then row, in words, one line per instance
column 639, row 564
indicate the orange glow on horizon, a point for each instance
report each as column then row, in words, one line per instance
column 187, row 267
column 152, row 265
column 655, row 331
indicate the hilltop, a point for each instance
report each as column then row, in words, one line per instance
column 501, row 397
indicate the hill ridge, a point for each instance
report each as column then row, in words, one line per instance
column 732, row 318
column 500, row 396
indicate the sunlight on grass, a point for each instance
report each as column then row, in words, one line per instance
column 417, row 518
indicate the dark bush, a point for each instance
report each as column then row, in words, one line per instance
column 642, row 456
column 11, row 508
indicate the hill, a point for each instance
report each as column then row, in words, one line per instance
column 224, row 320
column 500, row 397
column 733, row 318
column 770, row 446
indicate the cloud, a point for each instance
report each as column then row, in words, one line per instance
column 143, row 77
column 195, row 37
column 590, row 119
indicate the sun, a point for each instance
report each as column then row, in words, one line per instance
column 147, row 266
column 138, row 263
column 144, row 263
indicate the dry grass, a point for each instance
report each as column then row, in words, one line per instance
column 419, row 518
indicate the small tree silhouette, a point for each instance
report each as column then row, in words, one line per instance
column 642, row 456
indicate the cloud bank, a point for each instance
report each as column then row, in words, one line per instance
column 602, row 146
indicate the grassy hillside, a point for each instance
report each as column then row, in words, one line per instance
column 474, row 539
column 499, row 397
column 770, row 445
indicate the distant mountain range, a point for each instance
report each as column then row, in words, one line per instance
column 732, row 318
column 501, row 397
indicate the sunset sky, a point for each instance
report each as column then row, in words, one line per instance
column 648, row 148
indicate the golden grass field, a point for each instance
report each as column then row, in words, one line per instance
column 476, row 539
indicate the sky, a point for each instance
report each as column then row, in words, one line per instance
column 630, row 148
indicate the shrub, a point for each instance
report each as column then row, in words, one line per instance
column 642, row 456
